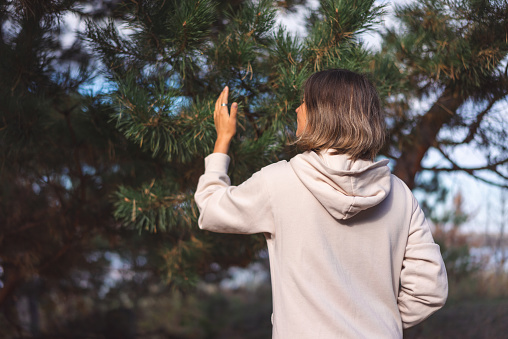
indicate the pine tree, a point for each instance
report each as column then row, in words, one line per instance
column 72, row 161
column 61, row 159
column 453, row 55
column 167, row 73
column 168, row 70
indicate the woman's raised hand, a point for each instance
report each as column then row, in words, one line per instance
column 225, row 123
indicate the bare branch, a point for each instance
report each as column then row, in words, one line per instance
column 476, row 125
column 489, row 181
column 455, row 167
column 471, row 170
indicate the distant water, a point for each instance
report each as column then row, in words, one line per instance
column 489, row 257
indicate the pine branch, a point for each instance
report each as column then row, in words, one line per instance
column 153, row 210
column 341, row 22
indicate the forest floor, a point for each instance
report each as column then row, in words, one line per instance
column 477, row 307
column 464, row 319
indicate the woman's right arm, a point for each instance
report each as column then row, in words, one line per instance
column 243, row 209
column 224, row 208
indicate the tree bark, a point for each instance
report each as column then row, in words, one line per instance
column 12, row 280
column 423, row 136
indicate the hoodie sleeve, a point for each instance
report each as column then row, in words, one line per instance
column 423, row 280
column 243, row 209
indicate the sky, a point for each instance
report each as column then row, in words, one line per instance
column 481, row 201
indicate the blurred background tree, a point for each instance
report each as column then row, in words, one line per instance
column 453, row 56
column 61, row 160
column 91, row 178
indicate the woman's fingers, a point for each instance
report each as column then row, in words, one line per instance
column 224, row 99
column 218, row 104
column 225, row 124
column 234, row 110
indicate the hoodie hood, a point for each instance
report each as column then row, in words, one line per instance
column 344, row 187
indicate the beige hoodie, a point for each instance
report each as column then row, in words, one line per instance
column 336, row 272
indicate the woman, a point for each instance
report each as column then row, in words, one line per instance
column 351, row 254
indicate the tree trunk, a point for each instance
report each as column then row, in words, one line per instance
column 34, row 289
column 423, row 136
column 12, row 280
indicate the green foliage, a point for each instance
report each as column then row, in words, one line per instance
column 153, row 204
column 91, row 173
column 158, row 119
column 168, row 69
column 457, row 44
column 335, row 31
column 187, row 28
column 167, row 72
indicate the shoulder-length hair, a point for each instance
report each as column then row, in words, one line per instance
column 343, row 115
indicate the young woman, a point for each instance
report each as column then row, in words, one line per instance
column 351, row 254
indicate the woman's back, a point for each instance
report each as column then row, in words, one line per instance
column 334, row 277
column 334, row 274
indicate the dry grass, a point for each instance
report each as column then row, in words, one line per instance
column 477, row 308
column 481, row 285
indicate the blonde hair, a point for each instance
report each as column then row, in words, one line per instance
column 343, row 115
